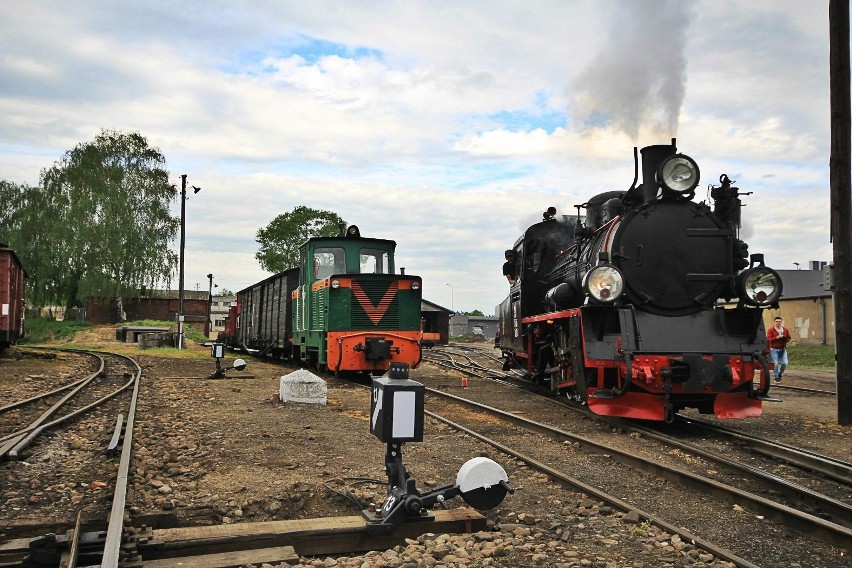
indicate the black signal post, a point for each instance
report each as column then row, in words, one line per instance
column 396, row 417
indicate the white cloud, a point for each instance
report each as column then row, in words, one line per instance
column 442, row 125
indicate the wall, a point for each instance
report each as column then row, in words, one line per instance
column 461, row 324
column 162, row 309
column 804, row 318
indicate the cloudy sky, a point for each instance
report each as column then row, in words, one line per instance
column 448, row 126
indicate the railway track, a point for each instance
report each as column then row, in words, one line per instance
column 78, row 413
column 805, row 459
column 564, row 459
column 793, row 486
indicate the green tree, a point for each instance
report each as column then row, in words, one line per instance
column 105, row 224
column 280, row 240
column 26, row 226
column 476, row 313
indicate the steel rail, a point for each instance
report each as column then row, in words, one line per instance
column 807, row 523
column 803, row 389
column 832, row 468
column 602, row 495
column 491, row 373
column 12, row 440
column 839, row 511
column 476, row 350
column 567, row 480
column 28, row 438
column 828, row 466
column 115, row 527
column 37, row 397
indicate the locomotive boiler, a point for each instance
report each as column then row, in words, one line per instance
column 646, row 304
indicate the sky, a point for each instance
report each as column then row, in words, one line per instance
column 447, row 126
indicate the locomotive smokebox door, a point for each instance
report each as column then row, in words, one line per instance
column 396, row 410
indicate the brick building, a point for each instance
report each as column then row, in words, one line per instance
column 159, row 305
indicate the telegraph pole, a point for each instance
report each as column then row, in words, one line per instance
column 208, row 326
column 841, row 202
column 182, row 244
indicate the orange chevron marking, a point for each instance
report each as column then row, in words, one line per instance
column 375, row 312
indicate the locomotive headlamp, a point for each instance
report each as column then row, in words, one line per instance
column 604, row 283
column 679, row 173
column 415, row 285
column 760, row 286
column 335, row 284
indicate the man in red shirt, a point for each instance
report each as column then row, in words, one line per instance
column 777, row 338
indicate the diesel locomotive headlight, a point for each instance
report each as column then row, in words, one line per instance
column 679, row 173
column 335, row 284
column 415, row 285
column 759, row 286
column 604, row 283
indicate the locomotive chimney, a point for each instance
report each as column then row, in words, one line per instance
column 652, row 156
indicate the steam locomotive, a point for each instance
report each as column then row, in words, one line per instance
column 647, row 304
column 343, row 309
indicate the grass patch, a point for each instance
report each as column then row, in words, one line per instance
column 73, row 335
column 811, row 356
column 189, row 332
column 44, row 330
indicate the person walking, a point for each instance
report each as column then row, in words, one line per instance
column 777, row 337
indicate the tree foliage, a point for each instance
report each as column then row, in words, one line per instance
column 98, row 225
column 26, row 225
column 280, row 240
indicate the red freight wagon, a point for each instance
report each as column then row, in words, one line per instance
column 12, row 290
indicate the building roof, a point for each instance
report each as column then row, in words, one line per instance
column 472, row 319
column 173, row 295
column 427, row 306
column 803, row 284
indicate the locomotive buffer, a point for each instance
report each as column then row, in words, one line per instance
column 396, row 417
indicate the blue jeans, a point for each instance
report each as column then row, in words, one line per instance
column 779, row 359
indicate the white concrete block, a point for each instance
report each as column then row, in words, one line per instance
column 303, row 386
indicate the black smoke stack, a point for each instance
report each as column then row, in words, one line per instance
column 652, row 157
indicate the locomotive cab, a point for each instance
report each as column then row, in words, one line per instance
column 351, row 312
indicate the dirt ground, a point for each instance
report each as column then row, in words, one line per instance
column 227, row 450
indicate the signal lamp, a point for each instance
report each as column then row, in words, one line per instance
column 760, row 286
column 604, row 283
column 678, row 173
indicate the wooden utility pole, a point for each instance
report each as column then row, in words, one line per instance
column 841, row 202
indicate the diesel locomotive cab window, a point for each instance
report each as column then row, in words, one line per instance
column 328, row 261
column 374, row 261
